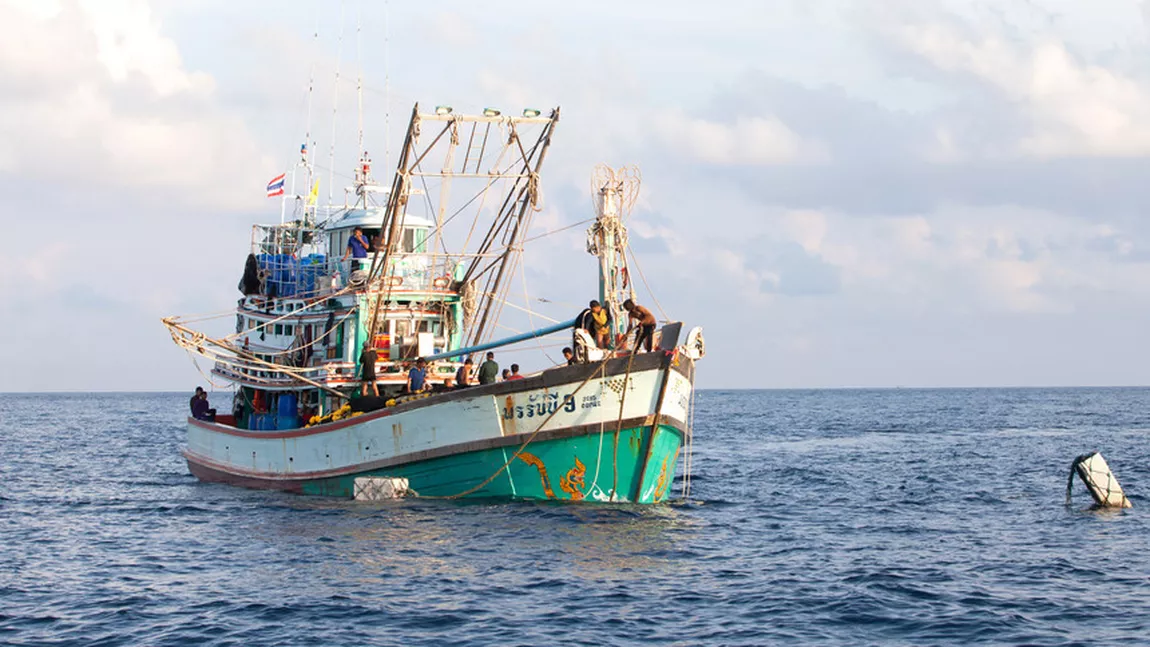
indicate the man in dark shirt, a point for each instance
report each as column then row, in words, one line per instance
column 569, row 355
column 644, row 320
column 368, row 358
column 194, row 398
column 201, row 409
column 488, row 370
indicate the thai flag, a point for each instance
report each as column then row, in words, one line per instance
column 276, row 186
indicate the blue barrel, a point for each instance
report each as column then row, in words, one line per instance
column 287, row 413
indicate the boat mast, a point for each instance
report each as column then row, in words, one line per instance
column 615, row 191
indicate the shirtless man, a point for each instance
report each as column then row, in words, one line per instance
column 644, row 320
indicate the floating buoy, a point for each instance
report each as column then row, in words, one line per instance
column 379, row 488
column 1099, row 480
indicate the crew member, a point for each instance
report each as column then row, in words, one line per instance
column 488, row 370
column 357, row 247
column 514, row 373
column 367, row 358
column 463, row 375
column 201, row 409
column 643, row 319
column 417, row 377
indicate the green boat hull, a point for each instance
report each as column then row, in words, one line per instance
column 639, row 467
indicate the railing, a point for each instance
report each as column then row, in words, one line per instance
column 316, row 275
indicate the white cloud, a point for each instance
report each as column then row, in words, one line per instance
column 1075, row 108
column 98, row 95
column 761, row 140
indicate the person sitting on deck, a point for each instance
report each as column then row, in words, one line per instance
column 506, row 374
column 488, row 370
column 569, row 355
column 201, row 409
column 514, row 373
column 595, row 320
column 644, row 320
column 417, row 377
column 463, row 375
column 368, row 358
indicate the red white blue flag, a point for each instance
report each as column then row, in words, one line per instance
column 276, row 186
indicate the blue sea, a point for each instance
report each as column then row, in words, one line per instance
column 840, row 517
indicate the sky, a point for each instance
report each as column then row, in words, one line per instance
column 843, row 193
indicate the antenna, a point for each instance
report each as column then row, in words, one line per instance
column 307, row 151
column 359, row 78
column 386, row 87
column 335, row 106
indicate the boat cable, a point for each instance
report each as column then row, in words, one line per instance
column 635, row 262
column 530, row 315
column 556, row 231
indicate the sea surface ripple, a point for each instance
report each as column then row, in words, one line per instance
column 854, row 517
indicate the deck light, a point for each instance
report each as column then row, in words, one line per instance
column 490, row 112
column 442, row 110
column 531, row 112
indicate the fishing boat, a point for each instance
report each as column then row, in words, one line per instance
column 430, row 290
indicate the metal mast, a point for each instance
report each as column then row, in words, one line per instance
column 614, row 192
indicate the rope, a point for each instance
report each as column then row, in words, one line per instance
column 619, row 428
column 688, row 458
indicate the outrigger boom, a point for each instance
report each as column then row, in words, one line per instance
column 504, row 342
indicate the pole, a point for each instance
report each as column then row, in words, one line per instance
column 504, row 342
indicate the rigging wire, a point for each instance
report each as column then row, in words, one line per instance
column 635, row 262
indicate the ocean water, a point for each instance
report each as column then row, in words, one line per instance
column 892, row 517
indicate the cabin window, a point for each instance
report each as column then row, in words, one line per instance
column 289, row 330
column 279, row 329
column 408, row 240
column 402, row 327
column 251, row 323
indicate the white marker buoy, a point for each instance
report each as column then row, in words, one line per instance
column 378, row 488
column 1099, row 480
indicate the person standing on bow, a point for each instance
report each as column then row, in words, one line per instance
column 643, row 319
column 488, row 370
column 368, row 358
column 417, row 377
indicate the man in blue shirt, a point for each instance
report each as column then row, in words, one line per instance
column 357, row 247
column 417, row 377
